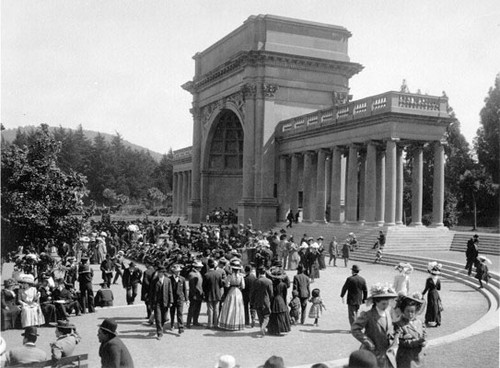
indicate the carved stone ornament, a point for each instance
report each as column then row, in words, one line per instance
column 236, row 99
column 269, row 89
column 249, row 90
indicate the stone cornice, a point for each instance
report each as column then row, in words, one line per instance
column 268, row 58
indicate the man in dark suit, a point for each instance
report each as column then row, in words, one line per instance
column 160, row 299
column 249, row 284
column 212, row 285
column 355, row 287
column 180, row 296
column 113, row 352
column 147, row 283
column 132, row 277
column 195, row 281
column 301, row 284
column 85, row 275
column 260, row 298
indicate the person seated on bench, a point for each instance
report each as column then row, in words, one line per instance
column 104, row 296
column 65, row 301
column 28, row 353
column 67, row 339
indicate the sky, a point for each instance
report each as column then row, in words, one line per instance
column 118, row 65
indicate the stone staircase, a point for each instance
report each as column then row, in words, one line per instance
column 418, row 239
column 488, row 243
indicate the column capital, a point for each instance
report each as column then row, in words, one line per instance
column 269, row 89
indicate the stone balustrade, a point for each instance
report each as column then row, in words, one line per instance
column 397, row 102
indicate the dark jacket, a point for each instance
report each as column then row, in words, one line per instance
column 114, row 354
column 162, row 294
column 131, row 277
column 262, row 294
column 249, row 284
column 301, row 284
column 147, row 283
column 355, row 286
column 212, row 284
column 195, row 281
column 179, row 289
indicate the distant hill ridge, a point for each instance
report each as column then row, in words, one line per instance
column 10, row 134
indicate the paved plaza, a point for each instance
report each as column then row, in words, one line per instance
column 303, row 346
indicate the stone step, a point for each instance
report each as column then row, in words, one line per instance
column 488, row 243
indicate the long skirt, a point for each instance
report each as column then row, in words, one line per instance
column 232, row 314
column 293, row 261
column 433, row 312
column 31, row 315
column 279, row 323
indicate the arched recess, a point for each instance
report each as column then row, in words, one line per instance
column 222, row 172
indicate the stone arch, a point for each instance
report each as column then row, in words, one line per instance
column 223, row 160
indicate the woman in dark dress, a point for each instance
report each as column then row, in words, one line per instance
column 313, row 262
column 11, row 310
column 432, row 286
column 279, row 321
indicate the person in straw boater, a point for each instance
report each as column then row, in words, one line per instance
column 374, row 328
column 410, row 333
column 432, row 287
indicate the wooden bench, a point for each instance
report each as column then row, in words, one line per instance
column 75, row 361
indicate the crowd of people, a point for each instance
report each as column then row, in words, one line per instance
column 240, row 273
column 221, row 216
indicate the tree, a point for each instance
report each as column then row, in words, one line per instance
column 40, row 202
column 156, row 195
column 476, row 184
column 488, row 135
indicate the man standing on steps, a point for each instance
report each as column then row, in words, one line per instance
column 471, row 253
column 355, row 287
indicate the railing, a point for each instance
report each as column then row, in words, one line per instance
column 183, row 153
column 397, row 102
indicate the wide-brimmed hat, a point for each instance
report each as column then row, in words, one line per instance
column 235, row 264
column 197, row 264
column 484, row 259
column 416, row 296
column 304, row 245
column 382, row 291
column 320, row 238
column 121, row 252
column 109, row 325
column 351, row 234
column 103, row 233
column 355, row 268
column 176, row 267
column 28, row 279
column 30, row 331
column 434, row 268
column 226, row 361
column 66, row 325
column 85, row 239
column 362, row 359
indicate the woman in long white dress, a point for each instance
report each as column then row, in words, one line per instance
column 293, row 255
column 31, row 313
column 402, row 279
column 232, row 315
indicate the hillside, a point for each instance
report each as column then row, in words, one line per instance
column 10, row 134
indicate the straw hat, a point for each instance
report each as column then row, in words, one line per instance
column 381, row 291
column 434, row 268
column 226, row 361
column 235, row 264
column 28, row 279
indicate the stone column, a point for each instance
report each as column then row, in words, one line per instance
column 283, row 188
column 335, row 186
column 417, row 187
column 362, row 175
column 370, row 183
column 194, row 211
column 294, row 183
column 352, row 186
column 249, row 91
column 180, row 205
column 380, row 205
column 399, row 186
column 175, row 199
column 321, row 186
column 390, row 183
column 190, row 185
column 185, row 188
column 306, row 211
column 438, row 186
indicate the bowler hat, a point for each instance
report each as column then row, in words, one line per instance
column 30, row 331
column 274, row 362
column 362, row 359
column 65, row 325
column 355, row 268
column 109, row 325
